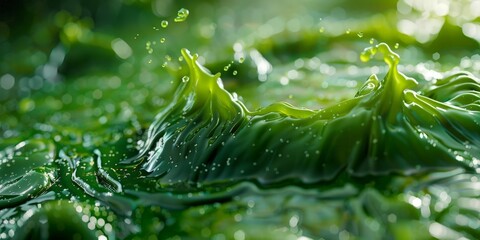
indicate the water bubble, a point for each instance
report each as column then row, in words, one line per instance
column 162, row 40
column 241, row 60
column 164, row 24
column 322, row 29
column 182, row 15
column 372, row 40
column 360, row 34
column 397, row 45
column 164, row 64
column 348, row 31
column 185, row 79
column 235, row 73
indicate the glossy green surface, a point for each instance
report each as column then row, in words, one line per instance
column 205, row 135
column 279, row 128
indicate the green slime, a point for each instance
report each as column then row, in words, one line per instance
column 207, row 135
column 24, row 173
column 206, row 147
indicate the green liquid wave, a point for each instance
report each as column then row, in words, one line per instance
column 207, row 151
column 207, row 135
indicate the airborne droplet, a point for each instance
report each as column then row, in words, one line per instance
column 226, row 67
column 182, row 15
column 164, row 24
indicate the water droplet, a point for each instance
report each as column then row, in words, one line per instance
column 348, row 31
column 180, row 58
column 162, row 40
column 322, row 29
column 168, row 58
column 148, row 46
column 372, row 40
column 164, row 24
column 397, row 45
column 182, row 15
column 226, row 67
column 360, row 34
column 185, row 79
column 164, row 64
column 241, row 60
column 235, row 73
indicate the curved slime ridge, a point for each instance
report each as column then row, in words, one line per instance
column 206, row 135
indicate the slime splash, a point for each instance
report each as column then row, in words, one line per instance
column 206, row 158
column 206, row 135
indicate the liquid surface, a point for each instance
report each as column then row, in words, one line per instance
column 279, row 128
column 205, row 135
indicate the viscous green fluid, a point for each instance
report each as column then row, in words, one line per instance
column 206, row 154
column 206, row 135
column 161, row 149
column 398, row 160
